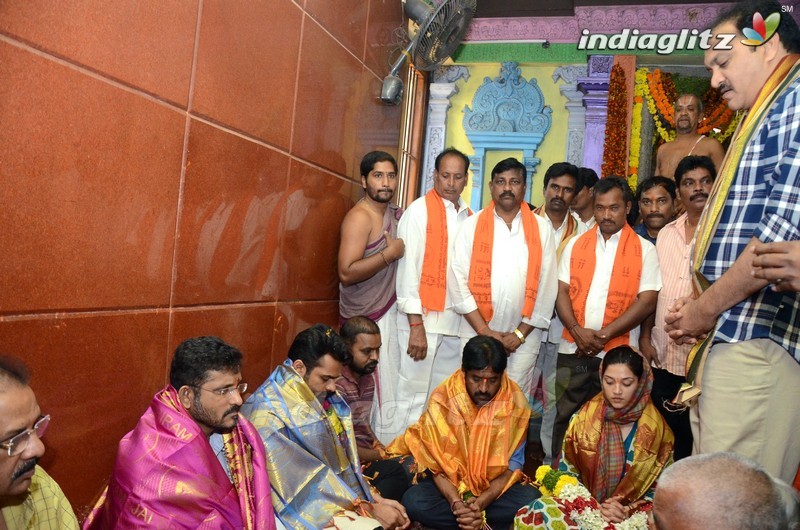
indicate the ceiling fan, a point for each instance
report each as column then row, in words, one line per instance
column 441, row 28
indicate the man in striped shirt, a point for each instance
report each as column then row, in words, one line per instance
column 694, row 177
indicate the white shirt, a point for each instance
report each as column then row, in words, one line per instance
column 605, row 252
column 412, row 229
column 509, row 271
column 553, row 335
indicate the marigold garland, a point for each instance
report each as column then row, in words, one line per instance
column 614, row 155
column 639, row 87
column 660, row 94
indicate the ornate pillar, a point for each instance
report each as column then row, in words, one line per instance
column 476, row 168
column 595, row 100
column 440, row 91
column 576, row 122
column 438, row 104
column 530, row 162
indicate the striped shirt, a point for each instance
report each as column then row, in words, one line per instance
column 763, row 202
column 674, row 256
column 358, row 395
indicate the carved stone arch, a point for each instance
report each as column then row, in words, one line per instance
column 508, row 114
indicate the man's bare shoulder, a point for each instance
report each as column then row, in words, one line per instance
column 710, row 146
column 668, row 147
column 359, row 214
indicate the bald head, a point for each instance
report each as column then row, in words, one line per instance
column 719, row 490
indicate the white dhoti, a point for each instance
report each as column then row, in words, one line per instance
column 383, row 410
column 418, row 379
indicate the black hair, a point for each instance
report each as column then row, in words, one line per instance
column 372, row 158
column 652, row 182
column 13, row 369
column 588, row 177
column 624, row 355
column 564, row 168
column 481, row 352
column 355, row 326
column 609, row 183
column 688, row 163
column 741, row 15
column 195, row 358
column 314, row 343
column 451, row 151
column 510, row 164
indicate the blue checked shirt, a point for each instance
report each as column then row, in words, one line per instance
column 764, row 201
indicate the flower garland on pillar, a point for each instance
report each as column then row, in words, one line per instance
column 614, row 155
column 639, row 89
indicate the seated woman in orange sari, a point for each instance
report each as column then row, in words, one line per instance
column 617, row 445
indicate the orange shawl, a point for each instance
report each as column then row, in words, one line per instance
column 469, row 445
column 626, row 275
column 569, row 231
column 652, row 450
column 480, row 267
column 433, row 279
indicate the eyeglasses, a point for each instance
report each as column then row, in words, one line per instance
column 241, row 388
column 19, row 442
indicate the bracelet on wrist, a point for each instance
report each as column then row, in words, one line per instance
column 520, row 335
column 386, row 261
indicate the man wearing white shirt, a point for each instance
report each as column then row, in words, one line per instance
column 504, row 273
column 608, row 283
column 562, row 183
column 427, row 325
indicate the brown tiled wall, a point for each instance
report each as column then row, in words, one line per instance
column 170, row 168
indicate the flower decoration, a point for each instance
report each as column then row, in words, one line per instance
column 571, row 498
column 661, row 91
column 614, row 153
column 639, row 89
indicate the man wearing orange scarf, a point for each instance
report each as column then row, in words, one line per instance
column 427, row 325
column 470, row 443
column 608, row 283
column 562, row 183
column 504, row 273
column 748, row 369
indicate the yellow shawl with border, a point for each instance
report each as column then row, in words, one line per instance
column 470, row 445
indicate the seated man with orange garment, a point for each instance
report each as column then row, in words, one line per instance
column 471, row 441
column 170, row 471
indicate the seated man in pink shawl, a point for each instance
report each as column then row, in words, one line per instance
column 167, row 473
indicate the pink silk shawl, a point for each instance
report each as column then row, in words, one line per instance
column 167, row 476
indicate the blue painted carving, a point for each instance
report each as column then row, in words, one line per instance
column 508, row 114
